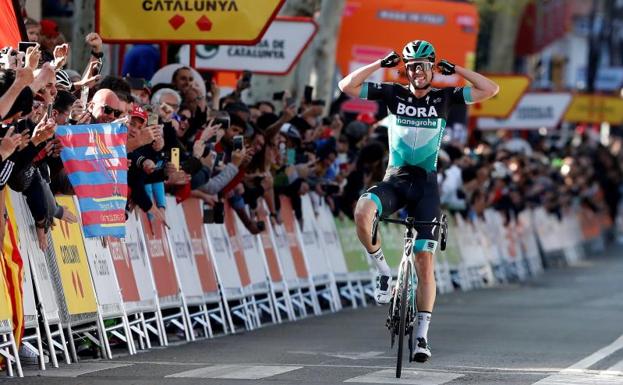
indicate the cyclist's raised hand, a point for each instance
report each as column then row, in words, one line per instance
column 391, row 60
column 446, row 67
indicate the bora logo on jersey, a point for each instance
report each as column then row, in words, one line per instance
column 419, row 112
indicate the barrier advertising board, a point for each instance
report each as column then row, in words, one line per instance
column 535, row 110
column 218, row 22
column 71, row 259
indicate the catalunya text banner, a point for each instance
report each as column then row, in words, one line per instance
column 95, row 158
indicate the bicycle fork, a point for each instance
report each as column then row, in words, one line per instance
column 393, row 319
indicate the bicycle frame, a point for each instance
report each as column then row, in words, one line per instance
column 407, row 259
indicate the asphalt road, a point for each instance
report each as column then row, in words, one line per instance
column 563, row 328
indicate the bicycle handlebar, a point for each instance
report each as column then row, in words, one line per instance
column 410, row 222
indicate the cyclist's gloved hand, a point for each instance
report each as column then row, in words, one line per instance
column 446, row 67
column 390, row 60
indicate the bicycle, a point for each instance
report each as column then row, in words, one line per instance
column 402, row 309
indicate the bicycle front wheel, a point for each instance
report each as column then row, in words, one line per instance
column 403, row 292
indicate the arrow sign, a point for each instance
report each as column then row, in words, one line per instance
column 277, row 52
column 512, row 88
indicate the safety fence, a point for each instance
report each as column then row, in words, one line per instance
column 195, row 280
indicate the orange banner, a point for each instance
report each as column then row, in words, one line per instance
column 372, row 28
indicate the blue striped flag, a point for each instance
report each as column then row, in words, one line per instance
column 96, row 162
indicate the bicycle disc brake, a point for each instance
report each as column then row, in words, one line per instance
column 393, row 320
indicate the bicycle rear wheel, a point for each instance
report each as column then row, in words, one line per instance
column 403, row 290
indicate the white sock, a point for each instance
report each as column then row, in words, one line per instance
column 380, row 262
column 423, row 320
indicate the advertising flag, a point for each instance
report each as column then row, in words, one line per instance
column 95, row 158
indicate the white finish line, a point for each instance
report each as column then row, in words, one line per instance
column 237, row 372
column 409, row 377
column 75, row 369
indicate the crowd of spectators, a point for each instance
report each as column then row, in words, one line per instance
column 513, row 175
column 234, row 153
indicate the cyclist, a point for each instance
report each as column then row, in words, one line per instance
column 417, row 120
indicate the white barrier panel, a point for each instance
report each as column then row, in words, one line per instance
column 32, row 333
column 124, row 272
column 247, row 244
column 331, row 243
column 29, row 246
column 231, row 269
column 35, row 258
column 547, row 230
column 488, row 241
column 504, row 238
column 224, row 261
column 310, row 237
column 282, row 244
column 8, row 347
column 317, row 260
column 30, row 307
column 528, row 241
column 192, row 211
column 140, row 266
column 145, row 284
column 102, row 272
column 181, row 247
column 258, row 270
column 478, row 269
column 109, row 300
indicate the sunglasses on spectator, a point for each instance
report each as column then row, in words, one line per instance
column 109, row 110
column 419, row 65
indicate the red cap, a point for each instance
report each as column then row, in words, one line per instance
column 139, row 112
column 49, row 28
column 367, row 118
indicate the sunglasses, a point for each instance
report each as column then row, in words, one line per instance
column 109, row 110
column 422, row 66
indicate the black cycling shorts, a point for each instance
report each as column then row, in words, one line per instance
column 415, row 189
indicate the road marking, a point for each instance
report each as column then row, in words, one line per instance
column 599, row 355
column 345, row 355
column 238, row 372
column 75, row 370
column 581, row 379
column 578, row 373
column 409, row 377
column 618, row 367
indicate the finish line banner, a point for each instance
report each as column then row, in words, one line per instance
column 95, row 158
